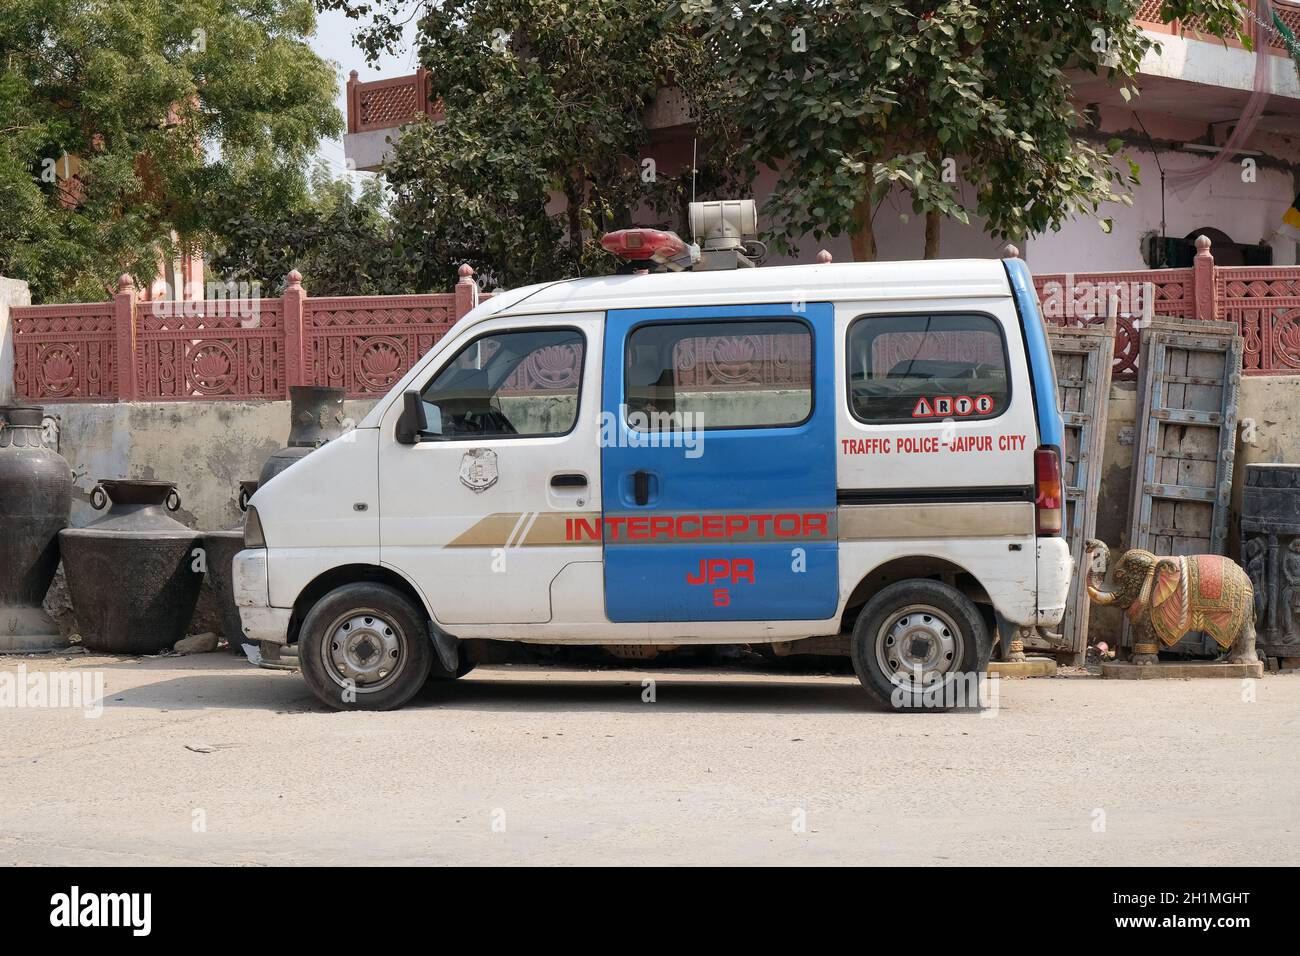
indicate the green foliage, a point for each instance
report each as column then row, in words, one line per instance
column 544, row 141
column 342, row 243
column 177, row 112
column 849, row 98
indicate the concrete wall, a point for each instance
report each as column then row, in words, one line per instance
column 12, row 292
column 1249, row 212
column 207, row 448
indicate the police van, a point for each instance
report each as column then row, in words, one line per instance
column 685, row 456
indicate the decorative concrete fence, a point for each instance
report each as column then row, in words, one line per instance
column 248, row 349
column 129, row 350
column 1264, row 302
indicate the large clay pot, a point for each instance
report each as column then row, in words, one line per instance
column 133, row 574
column 35, row 500
column 221, row 548
column 314, row 419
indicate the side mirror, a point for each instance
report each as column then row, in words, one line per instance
column 412, row 422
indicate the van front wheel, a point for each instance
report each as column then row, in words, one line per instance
column 365, row 647
column 921, row 645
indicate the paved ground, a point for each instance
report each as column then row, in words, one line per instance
column 210, row 760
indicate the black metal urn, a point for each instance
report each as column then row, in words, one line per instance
column 314, row 412
column 133, row 574
column 35, row 500
column 221, row 548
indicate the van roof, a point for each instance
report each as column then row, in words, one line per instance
column 926, row 279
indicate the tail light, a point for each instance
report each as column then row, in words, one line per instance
column 641, row 245
column 253, row 536
column 1048, row 502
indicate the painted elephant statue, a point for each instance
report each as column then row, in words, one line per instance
column 1165, row 597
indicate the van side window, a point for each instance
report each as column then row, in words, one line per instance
column 509, row 384
column 728, row 374
column 904, row 368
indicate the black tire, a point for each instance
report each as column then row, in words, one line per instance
column 343, row 633
column 927, row 628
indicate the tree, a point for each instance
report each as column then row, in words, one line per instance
column 343, row 242
column 850, row 98
column 544, row 144
column 127, row 125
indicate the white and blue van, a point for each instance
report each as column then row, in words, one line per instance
column 746, row 455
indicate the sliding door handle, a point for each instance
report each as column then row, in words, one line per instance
column 569, row 481
column 641, row 487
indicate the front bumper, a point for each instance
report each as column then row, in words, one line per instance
column 260, row 621
column 1055, row 572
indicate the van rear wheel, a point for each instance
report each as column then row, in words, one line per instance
column 921, row 644
column 365, row 647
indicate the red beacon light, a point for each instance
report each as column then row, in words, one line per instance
column 644, row 245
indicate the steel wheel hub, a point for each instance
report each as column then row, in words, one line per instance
column 919, row 646
column 366, row 649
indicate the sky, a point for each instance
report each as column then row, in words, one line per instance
column 333, row 41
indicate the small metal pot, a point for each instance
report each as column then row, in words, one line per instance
column 314, row 419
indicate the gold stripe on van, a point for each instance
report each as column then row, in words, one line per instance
column 967, row 519
column 521, row 529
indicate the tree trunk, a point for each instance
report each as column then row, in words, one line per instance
column 573, row 199
column 932, row 222
column 863, row 238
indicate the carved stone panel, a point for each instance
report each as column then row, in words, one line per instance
column 1270, row 552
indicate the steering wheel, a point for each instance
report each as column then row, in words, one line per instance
column 488, row 422
column 500, row 424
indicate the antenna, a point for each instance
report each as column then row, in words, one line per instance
column 695, row 142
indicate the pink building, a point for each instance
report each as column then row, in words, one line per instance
column 1215, row 132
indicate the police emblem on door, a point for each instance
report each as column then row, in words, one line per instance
column 478, row 469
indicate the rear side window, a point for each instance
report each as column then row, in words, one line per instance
column 905, row 368
column 734, row 374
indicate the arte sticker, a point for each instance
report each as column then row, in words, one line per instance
column 984, row 404
column 922, row 410
column 964, row 405
column 943, row 405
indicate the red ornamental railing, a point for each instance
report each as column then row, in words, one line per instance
column 388, row 103
column 1256, row 20
column 1264, row 302
column 364, row 344
column 66, row 352
column 227, row 348
column 210, row 349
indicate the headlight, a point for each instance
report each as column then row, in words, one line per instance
column 253, row 537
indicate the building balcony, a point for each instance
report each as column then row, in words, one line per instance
column 376, row 110
column 1208, row 81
